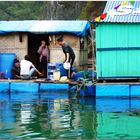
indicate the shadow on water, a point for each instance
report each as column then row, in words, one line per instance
column 56, row 115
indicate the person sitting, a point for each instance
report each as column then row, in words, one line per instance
column 27, row 68
column 16, row 69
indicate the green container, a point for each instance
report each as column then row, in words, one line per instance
column 117, row 50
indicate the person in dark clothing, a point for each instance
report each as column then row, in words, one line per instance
column 16, row 69
column 69, row 53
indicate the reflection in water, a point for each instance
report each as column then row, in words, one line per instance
column 25, row 113
column 57, row 116
column 118, row 125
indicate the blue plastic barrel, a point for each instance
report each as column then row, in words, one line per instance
column 62, row 70
column 6, row 63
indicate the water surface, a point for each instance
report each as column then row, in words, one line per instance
column 57, row 116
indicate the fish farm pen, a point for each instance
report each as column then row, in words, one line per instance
column 103, row 103
column 119, row 89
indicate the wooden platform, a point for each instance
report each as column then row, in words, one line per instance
column 37, row 81
column 118, row 80
column 99, row 82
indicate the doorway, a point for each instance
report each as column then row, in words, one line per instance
column 34, row 41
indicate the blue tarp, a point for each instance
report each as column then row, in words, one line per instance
column 76, row 27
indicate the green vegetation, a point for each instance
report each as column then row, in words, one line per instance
column 22, row 10
column 92, row 9
column 37, row 10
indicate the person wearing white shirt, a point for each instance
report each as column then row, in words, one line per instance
column 27, row 68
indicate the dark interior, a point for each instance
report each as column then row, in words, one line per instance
column 34, row 41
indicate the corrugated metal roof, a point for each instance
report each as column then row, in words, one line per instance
column 77, row 27
column 126, row 18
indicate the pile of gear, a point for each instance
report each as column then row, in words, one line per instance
column 85, row 83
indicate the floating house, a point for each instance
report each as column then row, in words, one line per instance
column 117, row 40
column 24, row 37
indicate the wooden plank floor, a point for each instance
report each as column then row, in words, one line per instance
column 70, row 82
column 37, row 81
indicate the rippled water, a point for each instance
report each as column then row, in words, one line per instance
column 58, row 116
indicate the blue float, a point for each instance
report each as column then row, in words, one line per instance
column 135, row 90
column 112, row 90
column 53, row 86
column 24, row 87
column 4, row 87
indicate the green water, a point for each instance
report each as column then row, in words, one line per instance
column 57, row 116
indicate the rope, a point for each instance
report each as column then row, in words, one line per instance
column 82, row 83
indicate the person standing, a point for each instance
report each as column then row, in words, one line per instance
column 27, row 68
column 44, row 57
column 69, row 53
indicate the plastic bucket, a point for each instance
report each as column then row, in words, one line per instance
column 62, row 70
